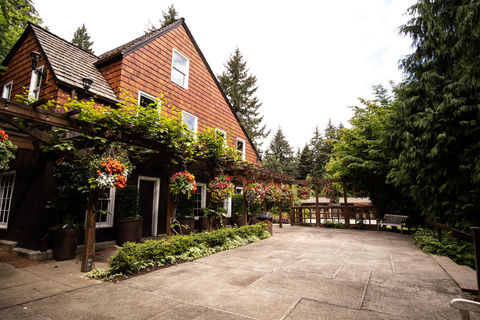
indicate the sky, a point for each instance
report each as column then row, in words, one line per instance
column 312, row 59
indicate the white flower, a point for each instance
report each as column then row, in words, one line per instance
column 105, row 181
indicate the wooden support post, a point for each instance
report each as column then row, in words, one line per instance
column 292, row 218
column 280, row 215
column 346, row 213
column 476, row 247
column 169, row 212
column 317, row 208
column 88, row 256
column 264, row 201
column 244, row 202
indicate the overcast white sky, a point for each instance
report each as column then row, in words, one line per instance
column 312, row 59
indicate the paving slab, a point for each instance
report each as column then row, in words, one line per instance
column 186, row 311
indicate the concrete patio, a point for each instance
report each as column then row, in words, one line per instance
column 299, row 273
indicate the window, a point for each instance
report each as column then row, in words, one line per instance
column 227, row 205
column 7, row 90
column 241, row 147
column 35, row 83
column 7, row 180
column 146, row 100
column 223, row 134
column 190, row 120
column 238, row 190
column 180, row 69
column 106, row 207
column 200, row 198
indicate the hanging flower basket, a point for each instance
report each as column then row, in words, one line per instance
column 330, row 191
column 254, row 192
column 303, row 192
column 220, row 188
column 273, row 193
column 287, row 193
column 112, row 174
column 7, row 150
column 183, row 182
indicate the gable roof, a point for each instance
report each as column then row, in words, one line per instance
column 68, row 63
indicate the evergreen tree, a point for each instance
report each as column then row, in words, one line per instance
column 240, row 88
column 435, row 123
column 305, row 162
column 279, row 156
column 319, row 158
column 81, row 39
column 168, row 17
column 13, row 20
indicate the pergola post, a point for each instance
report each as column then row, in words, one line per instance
column 169, row 212
column 317, row 208
column 244, row 202
column 292, row 216
column 88, row 256
column 280, row 215
column 346, row 212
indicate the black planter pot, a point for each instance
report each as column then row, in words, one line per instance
column 129, row 230
column 238, row 220
column 206, row 224
column 65, row 244
column 189, row 223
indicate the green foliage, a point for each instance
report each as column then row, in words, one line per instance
column 279, row 156
column 81, row 39
column 7, row 150
column 14, row 19
column 168, row 17
column 240, row 88
column 435, row 122
column 185, row 206
column 237, row 204
column 328, row 224
column 305, row 163
column 126, row 203
column 134, row 257
column 459, row 251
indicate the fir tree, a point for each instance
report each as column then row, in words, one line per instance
column 240, row 88
column 435, row 122
column 81, row 39
column 319, row 159
column 168, row 17
column 279, row 156
column 305, row 162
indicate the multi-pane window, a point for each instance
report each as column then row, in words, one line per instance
column 241, row 147
column 35, row 83
column 7, row 180
column 190, row 120
column 222, row 134
column 7, row 90
column 106, row 207
column 146, row 100
column 180, row 69
column 200, row 198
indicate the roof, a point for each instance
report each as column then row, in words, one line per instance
column 70, row 64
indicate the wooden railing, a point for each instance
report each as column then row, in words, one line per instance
column 349, row 215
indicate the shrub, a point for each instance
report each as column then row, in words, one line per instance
column 335, row 225
column 133, row 257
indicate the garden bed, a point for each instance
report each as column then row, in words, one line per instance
column 134, row 258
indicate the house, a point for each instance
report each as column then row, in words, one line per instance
column 166, row 61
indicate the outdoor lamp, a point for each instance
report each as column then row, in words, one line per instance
column 87, row 84
column 35, row 58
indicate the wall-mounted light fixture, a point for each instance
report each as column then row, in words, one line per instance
column 35, row 58
column 87, row 84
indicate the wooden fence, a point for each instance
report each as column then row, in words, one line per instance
column 348, row 215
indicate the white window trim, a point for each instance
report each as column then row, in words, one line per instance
column 243, row 149
column 185, row 86
column 196, row 120
column 5, row 87
column 203, row 197
column 35, row 73
column 224, row 135
column 148, row 96
column 238, row 189
column 227, row 205
column 110, row 212
column 4, row 225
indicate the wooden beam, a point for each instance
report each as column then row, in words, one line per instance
column 88, row 257
column 22, row 142
column 35, row 133
column 317, row 208
column 244, row 202
column 280, row 214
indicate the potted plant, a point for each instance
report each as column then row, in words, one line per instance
column 65, row 239
column 183, row 182
column 129, row 223
column 303, row 192
column 237, row 208
column 206, row 221
column 254, row 192
column 184, row 214
column 330, row 191
column 220, row 188
column 273, row 193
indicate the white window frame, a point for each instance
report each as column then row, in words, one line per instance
column 5, row 86
column 224, row 133
column 192, row 115
column 148, row 96
column 227, row 205
column 33, row 92
column 203, row 197
column 110, row 212
column 243, row 149
column 5, row 213
column 184, row 72
column 238, row 190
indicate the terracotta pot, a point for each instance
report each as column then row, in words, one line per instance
column 206, row 224
column 238, row 220
column 189, row 222
column 65, row 244
column 129, row 230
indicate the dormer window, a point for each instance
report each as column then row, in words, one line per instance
column 180, row 69
column 35, row 83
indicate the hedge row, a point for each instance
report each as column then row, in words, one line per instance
column 133, row 257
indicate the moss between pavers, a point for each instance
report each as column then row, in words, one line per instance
column 134, row 258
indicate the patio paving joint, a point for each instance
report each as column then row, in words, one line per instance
column 291, row 308
column 365, row 290
column 340, row 268
column 391, row 262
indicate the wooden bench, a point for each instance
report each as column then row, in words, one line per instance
column 393, row 220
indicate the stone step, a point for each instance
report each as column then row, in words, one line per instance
column 7, row 245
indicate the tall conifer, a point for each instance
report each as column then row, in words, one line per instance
column 279, row 156
column 81, row 39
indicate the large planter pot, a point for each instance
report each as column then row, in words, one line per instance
column 238, row 220
column 129, row 230
column 187, row 225
column 205, row 223
column 65, row 244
